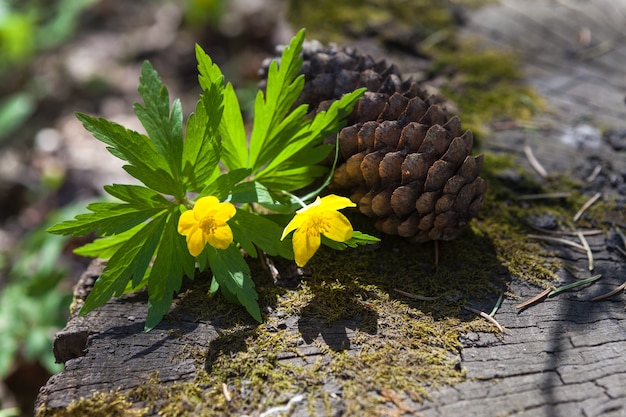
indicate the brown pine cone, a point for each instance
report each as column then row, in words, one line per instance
column 403, row 160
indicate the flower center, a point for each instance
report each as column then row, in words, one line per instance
column 208, row 224
column 317, row 225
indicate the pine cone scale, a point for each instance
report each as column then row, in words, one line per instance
column 402, row 158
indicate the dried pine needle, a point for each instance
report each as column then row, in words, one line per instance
column 226, row 392
column 596, row 171
column 539, row 297
column 585, row 206
column 534, row 162
column 568, row 287
column 583, row 240
column 558, row 240
column 589, row 232
column 486, row 317
column 610, row 293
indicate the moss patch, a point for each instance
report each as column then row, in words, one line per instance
column 100, row 404
column 399, row 20
column 486, row 85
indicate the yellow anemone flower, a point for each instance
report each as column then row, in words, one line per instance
column 206, row 223
column 318, row 218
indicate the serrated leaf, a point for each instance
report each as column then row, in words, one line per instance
column 330, row 121
column 223, row 185
column 130, row 262
column 163, row 125
column 106, row 247
column 106, row 219
column 285, row 132
column 171, row 263
column 146, row 164
column 202, row 148
column 272, row 108
column 137, row 196
column 233, row 132
column 304, row 147
column 231, row 128
column 251, row 231
column 232, row 274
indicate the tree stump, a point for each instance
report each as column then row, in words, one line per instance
column 563, row 356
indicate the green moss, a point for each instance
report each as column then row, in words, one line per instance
column 335, row 21
column 329, row 20
column 486, row 86
column 100, row 404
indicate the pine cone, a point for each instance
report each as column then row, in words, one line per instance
column 403, row 160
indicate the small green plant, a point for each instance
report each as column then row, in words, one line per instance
column 212, row 186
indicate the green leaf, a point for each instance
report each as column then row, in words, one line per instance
column 106, row 219
column 272, row 127
column 164, row 126
column 202, row 148
column 357, row 239
column 252, row 230
column 304, row 148
column 279, row 137
column 255, row 192
column 137, row 196
column 172, row 262
column 223, row 185
column 231, row 128
column 146, row 164
column 130, row 261
column 106, row 247
column 233, row 132
column 293, row 179
column 232, row 274
column 330, row 121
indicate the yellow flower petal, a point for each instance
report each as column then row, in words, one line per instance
column 304, row 246
column 204, row 206
column 224, row 212
column 295, row 223
column 335, row 202
column 196, row 242
column 310, row 207
column 186, row 223
column 338, row 227
column 221, row 238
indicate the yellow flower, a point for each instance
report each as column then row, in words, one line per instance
column 318, row 218
column 206, row 223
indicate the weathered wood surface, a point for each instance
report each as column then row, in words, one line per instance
column 565, row 356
